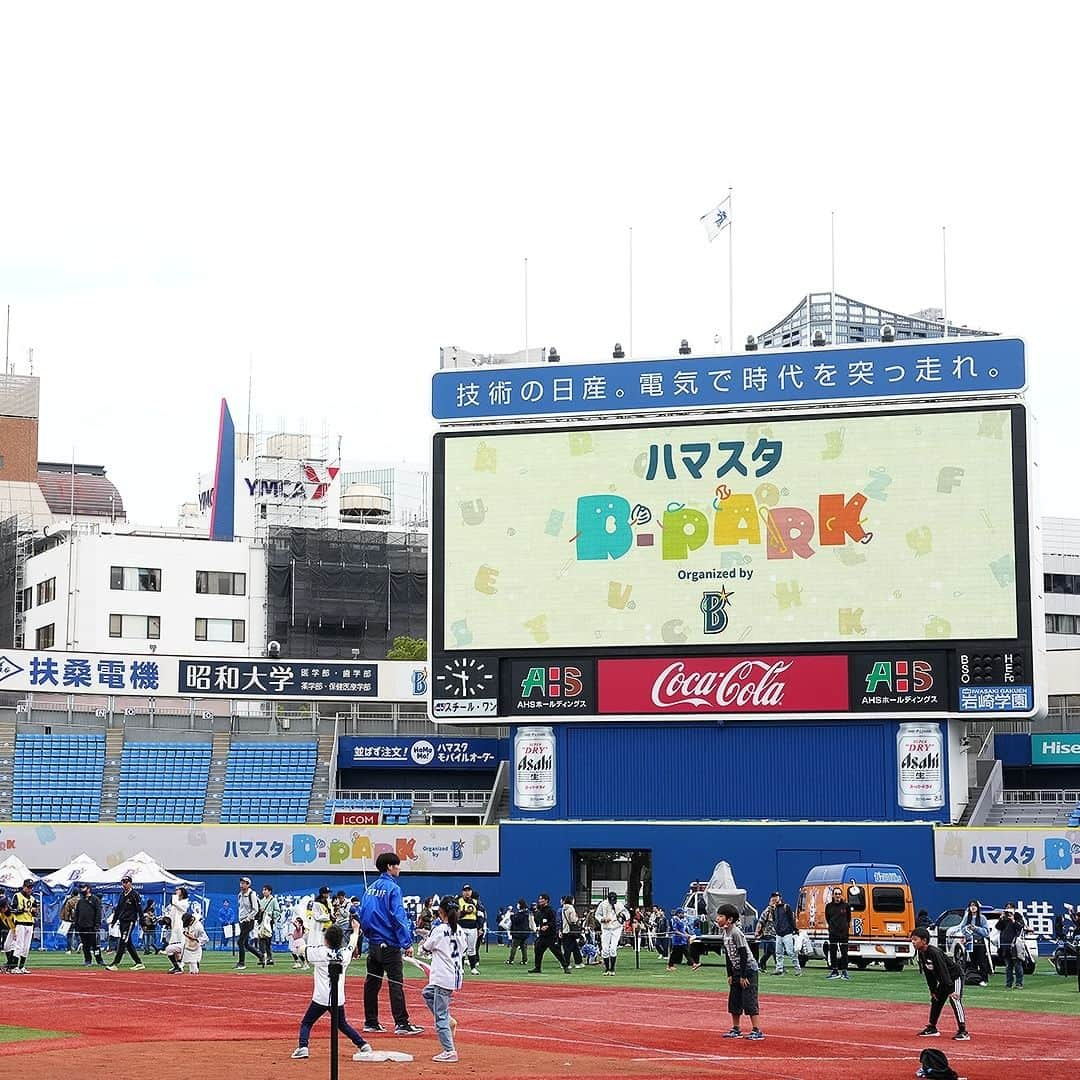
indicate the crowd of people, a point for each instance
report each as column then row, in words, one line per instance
column 327, row 930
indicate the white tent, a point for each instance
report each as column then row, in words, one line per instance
column 82, row 866
column 146, row 873
column 13, row 872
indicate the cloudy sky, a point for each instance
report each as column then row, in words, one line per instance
column 332, row 191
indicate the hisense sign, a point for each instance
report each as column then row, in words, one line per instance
column 1055, row 749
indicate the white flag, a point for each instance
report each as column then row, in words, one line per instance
column 717, row 219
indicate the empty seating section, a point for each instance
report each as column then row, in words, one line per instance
column 394, row 811
column 163, row 781
column 58, row 777
column 268, row 783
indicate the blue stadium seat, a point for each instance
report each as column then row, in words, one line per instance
column 163, row 782
column 268, row 783
column 57, row 777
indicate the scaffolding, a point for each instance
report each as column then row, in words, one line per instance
column 294, row 476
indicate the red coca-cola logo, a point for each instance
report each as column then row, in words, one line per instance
column 735, row 684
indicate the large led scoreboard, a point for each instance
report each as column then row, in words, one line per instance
column 850, row 536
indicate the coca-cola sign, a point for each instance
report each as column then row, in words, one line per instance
column 731, row 684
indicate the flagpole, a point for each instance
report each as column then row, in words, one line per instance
column 526, row 309
column 731, row 274
column 630, row 349
column 832, row 286
column 944, row 287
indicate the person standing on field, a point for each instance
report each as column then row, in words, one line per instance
column 521, row 926
column 469, row 923
column 610, row 914
column 389, row 934
column 247, row 914
column 87, row 924
column 23, row 909
column 742, row 972
column 946, row 982
column 784, row 926
column 547, row 936
column 126, row 915
column 838, row 920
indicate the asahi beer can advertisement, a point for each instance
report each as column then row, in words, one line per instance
column 920, row 767
column 534, row 768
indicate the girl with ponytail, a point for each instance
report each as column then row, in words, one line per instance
column 446, row 944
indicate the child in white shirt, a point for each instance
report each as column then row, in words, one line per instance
column 320, row 957
column 195, row 937
column 446, row 944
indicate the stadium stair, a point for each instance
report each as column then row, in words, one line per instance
column 7, row 761
column 110, row 783
column 320, row 787
column 215, row 784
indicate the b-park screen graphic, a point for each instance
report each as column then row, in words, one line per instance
column 850, row 529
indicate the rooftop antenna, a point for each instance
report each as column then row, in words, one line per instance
column 7, row 343
column 30, row 359
column 247, row 433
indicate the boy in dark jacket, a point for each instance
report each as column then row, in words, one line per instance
column 946, row 983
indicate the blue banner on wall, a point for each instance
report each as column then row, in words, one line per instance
column 404, row 752
column 782, row 377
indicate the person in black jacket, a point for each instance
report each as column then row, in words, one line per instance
column 1010, row 927
column 946, row 982
column 838, row 919
column 520, row 929
column 547, row 931
column 126, row 913
column 786, row 938
column 86, row 922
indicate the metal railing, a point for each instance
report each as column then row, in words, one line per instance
column 443, row 797
column 1040, row 797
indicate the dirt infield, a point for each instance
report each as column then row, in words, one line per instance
column 130, row 1026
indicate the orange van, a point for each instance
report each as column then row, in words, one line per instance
column 882, row 913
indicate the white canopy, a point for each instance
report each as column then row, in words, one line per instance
column 82, row 866
column 144, row 870
column 13, row 872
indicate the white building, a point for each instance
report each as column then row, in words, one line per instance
column 99, row 590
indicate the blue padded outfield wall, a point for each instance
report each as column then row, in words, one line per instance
column 537, row 857
column 761, row 770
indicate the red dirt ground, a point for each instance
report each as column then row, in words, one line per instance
column 131, row 1026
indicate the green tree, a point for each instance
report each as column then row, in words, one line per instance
column 408, row 648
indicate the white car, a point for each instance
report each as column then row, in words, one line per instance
column 947, row 935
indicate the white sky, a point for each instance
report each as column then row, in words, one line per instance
column 337, row 189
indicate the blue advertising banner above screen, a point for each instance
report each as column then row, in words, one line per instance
column 929, row 369
column 407, row 752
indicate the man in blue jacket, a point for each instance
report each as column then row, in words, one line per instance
column 389, row 936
